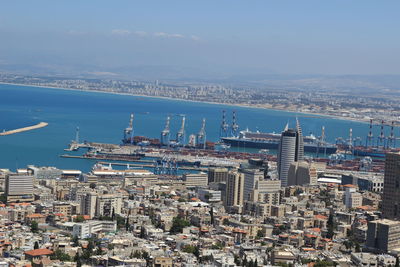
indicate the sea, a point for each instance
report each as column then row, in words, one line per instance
column 102, row 117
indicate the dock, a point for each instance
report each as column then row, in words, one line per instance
column 25, row 129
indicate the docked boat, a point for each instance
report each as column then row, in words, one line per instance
column 249, row 139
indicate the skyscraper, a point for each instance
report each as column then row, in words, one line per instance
column 234, row 191
column 391, row 187
column 291, row 149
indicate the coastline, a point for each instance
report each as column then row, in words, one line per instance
column 311, row 114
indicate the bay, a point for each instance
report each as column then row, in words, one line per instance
column 102, row 117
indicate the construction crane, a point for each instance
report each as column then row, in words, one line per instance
column 235, row 126
column 180, row 135
column 165, row 134
column 201, row 136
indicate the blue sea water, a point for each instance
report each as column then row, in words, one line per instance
column 102, row 117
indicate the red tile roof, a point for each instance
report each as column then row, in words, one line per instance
column 39, row 252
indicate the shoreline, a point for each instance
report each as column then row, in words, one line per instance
column 196, row 101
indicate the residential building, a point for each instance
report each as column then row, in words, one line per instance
column 19, row 188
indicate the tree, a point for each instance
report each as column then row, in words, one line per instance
column 189, row 249
column 212, row 215
column 92, row 185
column 260, row 234
column 77, row 258
column 331, row 227
column 357, row 247
column 127, row 225
column 178, row 224
column 59, row 255
column 75, row 241
column 34, row 227
column 225, row 221
column 113, row 214
column 397, row 262
column 79, row 218
column 36, row 246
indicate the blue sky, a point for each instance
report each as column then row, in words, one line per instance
column 219, row 36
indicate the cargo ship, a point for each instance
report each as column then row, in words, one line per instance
column 249, row 139
column 376, row 152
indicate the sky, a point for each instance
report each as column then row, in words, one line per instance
column 216, row 37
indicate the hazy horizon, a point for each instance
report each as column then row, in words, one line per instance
column 205, row 40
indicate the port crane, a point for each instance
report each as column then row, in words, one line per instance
column 165, row 134
column 224, row 126
column 201, row 136
column 235, row 126
column 128, row 132
column 180, row 135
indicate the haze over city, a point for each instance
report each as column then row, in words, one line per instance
column 207, row 39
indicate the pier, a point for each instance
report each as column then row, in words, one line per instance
column 25, row 129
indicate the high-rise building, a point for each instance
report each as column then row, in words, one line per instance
column 88, row 204
column 251, row 177
column 19, row 188
column 383, row 235
column 302, row 173
column 291, row 149
column 109, row 204
column 391, row 187
column 217, row 175
column 234, row 191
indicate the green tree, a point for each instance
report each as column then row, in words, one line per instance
column 92, row 185
column 225, row 221
column 127, row 225
column 330, row 226
column 260, row 234
column 357, row 247
column 189, row 249
column 121, row 223
column 77, row 258
column 34, row 227
column 79, row 219
column 75, row 241
column 212, row 215
column 59, row 255
column 178, row 224
column 113, row 214
column 36, row 246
